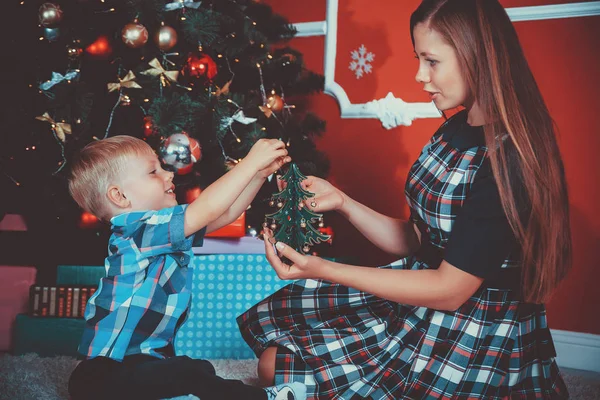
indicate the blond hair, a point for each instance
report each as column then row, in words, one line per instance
column 99, row 165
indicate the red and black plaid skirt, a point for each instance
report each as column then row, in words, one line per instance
column 347, row 344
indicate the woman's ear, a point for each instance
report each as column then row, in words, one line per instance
column 117, row 197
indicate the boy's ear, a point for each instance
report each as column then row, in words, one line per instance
column 117, row 197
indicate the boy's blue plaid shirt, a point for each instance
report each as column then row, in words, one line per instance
column 137, row 307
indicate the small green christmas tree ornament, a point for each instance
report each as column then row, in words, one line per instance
column 293, row 223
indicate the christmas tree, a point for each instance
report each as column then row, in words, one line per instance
column 201, row 82
column 293, row 222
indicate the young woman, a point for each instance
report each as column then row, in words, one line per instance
column 461, row 315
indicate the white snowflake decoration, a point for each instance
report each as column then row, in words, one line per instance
column 361, row 60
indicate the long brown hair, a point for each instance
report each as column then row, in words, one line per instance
column 495, row 69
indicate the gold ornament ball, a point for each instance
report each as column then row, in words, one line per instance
column 275, row 102
column 303, row 224
column 306, row 249
column 280, row 204
column 273, row 226
column 265, row 225
column 301, row 204
column 271, row 203
column 321, row 224
column 50, row 15
column 134, row 35
column 165, row 38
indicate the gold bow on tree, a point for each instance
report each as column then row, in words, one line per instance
column 225, row 89
column 126, row 82
column 266, row 110
column 59, row 128
column 166, row 77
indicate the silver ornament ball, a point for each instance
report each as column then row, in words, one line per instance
column 176, row 152
column 50, row 15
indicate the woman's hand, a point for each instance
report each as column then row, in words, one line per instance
column 303, row 267
column 327, row 197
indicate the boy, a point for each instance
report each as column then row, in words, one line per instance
column 131, row 320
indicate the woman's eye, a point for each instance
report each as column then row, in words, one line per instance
column 153, row 172
column 432, row 62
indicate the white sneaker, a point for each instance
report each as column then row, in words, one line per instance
column 287, row 391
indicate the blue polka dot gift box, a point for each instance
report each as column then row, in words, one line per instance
column 223, row 287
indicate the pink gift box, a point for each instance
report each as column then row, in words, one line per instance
column 14, row 298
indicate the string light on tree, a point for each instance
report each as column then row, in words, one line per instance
column 74, row 50
column 124, row 100
column 148, row 126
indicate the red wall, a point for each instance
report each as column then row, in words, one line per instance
column 370, row 163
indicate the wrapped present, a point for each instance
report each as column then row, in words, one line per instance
column 235, row 229
column 14, row 288
column 47, row 336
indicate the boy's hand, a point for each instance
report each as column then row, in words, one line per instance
column 266, row 152
column 274, row 166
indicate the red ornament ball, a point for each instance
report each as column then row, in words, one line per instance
column 191, row 194
column 200, row 65
column 148, row 126
column 100, row 48
column 88, row 220
column 185, row 170
column 196, row 150
column 134, row 35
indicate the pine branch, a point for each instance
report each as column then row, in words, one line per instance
column 176, row 114
column 201, row 27
column 149, row 12
column 309, row 83
column 313, row 125
column 273, row 26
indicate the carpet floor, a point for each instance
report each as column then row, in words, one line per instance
column 30, row 377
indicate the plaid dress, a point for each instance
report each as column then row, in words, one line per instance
column 347, row 344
